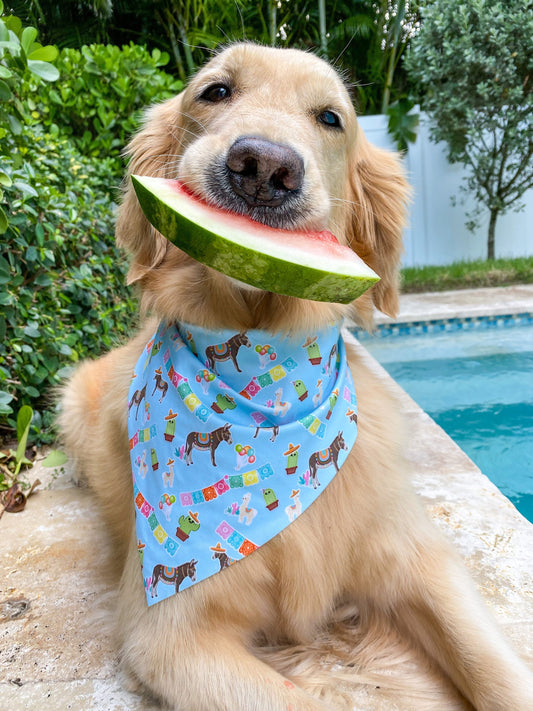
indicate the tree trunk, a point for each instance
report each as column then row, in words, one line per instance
column 322, row 28
column 492, row 233
column 176, row 52
column 186, row 50
column 388, row 81
column 273, row 22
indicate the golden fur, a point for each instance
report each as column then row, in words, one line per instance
column 210, row 647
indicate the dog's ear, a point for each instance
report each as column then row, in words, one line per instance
column 152, row 151
column 379, row 197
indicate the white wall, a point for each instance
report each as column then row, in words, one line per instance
column 437, row 232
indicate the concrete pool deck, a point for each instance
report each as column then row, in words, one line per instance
column 463, row 303
column 54, row 654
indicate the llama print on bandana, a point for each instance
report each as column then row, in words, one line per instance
column 136, row 398
column 173, row 576
column 325, row 458
column 294, row 509
column 166, row 503
column 245, row 430
column 266, row 354
column 207, row 441
column 226, row 351
column 160, row 384
column 220, row 554
column 245, row 456
column 205, row 378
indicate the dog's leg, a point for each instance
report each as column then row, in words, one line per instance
column 210, row 673
column 444, row 613
column 193, row 664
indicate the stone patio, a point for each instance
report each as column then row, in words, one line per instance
column 54, row 655
column 459, row 304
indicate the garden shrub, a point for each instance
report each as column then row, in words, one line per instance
column 101, row 93
column 24, row 63
column 62, row 280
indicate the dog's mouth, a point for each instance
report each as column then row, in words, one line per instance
column 286, row 212
column 262, row 180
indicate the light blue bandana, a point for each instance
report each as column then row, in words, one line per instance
column 232, row 436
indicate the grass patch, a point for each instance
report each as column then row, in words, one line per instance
column 468, row 275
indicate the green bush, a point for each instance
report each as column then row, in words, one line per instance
column 62, row 285
column 101, row 93
column 62, row 280
column 24, row 64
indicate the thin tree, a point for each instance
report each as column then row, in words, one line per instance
column 473, row 64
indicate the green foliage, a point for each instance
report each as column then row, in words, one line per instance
column 62, row 292
column 365, row 39
column 62, row 280
column 55, row 459
column 13, row 460
column 23, row 64
column 403, row 124
column 473, row 65
column 24, row 418
column 468, row 275
column 102, row 91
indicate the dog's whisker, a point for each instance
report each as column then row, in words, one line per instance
column 362, row 207
column 164, row 161
column 163, row 168
column 347, row 202
column 192, row 118
column 182, row 129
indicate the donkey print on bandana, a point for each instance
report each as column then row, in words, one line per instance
column 253, row 426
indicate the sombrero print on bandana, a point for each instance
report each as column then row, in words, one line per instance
column 232, row 436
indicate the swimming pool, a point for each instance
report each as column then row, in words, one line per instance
column 475, row 378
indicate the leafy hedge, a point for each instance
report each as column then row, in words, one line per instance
column 98, row 106
column 62, row 286
column 62, row 292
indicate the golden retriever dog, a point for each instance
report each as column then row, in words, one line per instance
column 273, row 134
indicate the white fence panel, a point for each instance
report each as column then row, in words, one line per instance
column 437, row 233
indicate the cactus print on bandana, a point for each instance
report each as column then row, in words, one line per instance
column 232, row 436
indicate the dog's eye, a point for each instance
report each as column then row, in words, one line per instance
column 216, row 93
column 330, row 119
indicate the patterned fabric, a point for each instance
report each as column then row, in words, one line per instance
column 232, row 437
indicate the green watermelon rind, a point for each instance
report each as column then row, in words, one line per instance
column 248, row 262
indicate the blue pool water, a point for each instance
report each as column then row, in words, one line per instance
column 477, row 383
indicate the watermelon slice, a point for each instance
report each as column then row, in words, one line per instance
column 309, row 265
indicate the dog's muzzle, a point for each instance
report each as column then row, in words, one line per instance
column 262, row 172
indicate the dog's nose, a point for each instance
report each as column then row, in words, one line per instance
column 264, row 172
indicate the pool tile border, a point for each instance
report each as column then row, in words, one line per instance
column 464, row 323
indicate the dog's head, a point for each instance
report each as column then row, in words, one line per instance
column 270, row 133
